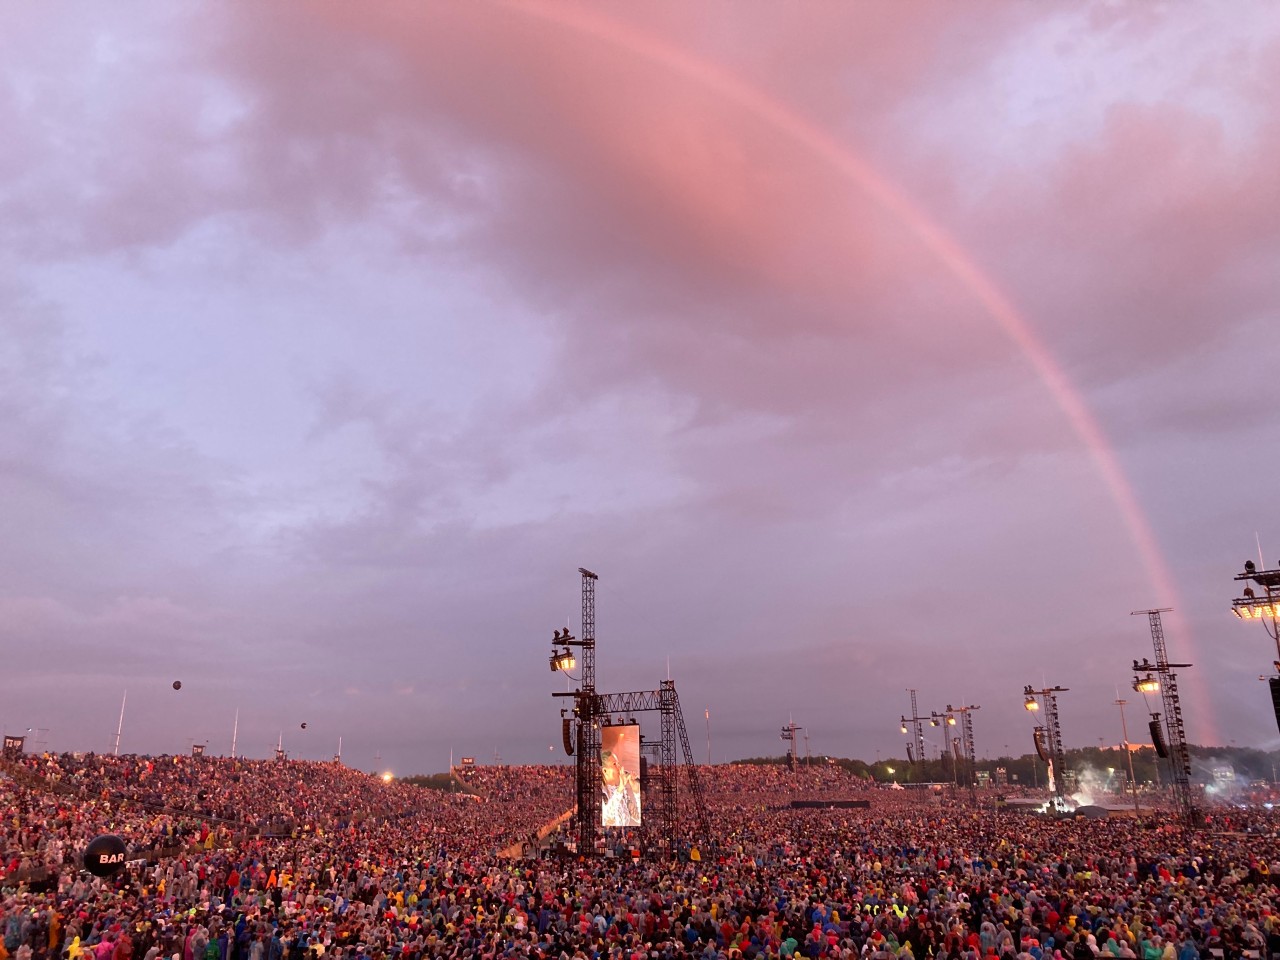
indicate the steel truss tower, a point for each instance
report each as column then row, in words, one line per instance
column 672, row 747
column 1053, row 730
column 917, row 729
column 588, row 759
column 592, row 710
column 1175, row 731
column 966, row 735
column 789, row 734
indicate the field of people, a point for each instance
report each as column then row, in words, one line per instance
column 266, row 860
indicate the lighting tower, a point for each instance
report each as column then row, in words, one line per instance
column 1176, row 734
column 1265, row 608
column 950, row 745
column 1053, row 729
column 789, row 734
column 582, row 732
column 966, row 734
column 917, row 726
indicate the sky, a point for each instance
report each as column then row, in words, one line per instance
column 858, row 347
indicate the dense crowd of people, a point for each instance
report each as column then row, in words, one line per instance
column 368, row 870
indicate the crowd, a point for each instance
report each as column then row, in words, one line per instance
column 388, row 871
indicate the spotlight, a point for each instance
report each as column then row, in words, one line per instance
column 1031, row 704
column 563, row 660
column 1147, row 684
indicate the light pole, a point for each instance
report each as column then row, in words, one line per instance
column 1128, row 754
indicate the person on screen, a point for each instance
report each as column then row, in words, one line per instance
column 621, row 801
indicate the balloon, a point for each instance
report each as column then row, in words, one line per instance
column 104, row 855
column 177, row 684
column 304, row 726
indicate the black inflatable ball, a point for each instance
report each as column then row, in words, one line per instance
column 104, row 855
column 304, row 726
column 177, row 684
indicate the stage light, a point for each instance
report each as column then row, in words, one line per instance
column 1147, row 684
column 1248, row 608
column 951, row 721
column 563, row 660
column 904, row 728
column 1031, row 704
column 933, row 722
column 387, row 777
column 1249, row 567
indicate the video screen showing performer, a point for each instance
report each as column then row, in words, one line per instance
column 620, row 773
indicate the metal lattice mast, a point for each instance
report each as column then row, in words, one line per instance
column 1175, row 730
column 1052, row 729
column 919, row 727
column 668, row 771
column 966, row 735
column 662, row 793
column 582, row 731
column 691, row 768
column 789, row 734
column 1059, row 755
column 970, row 751
column 917, row 724
column 588, row 765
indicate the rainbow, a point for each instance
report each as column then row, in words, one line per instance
column 937, row 241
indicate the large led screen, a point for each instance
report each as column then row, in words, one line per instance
column 620, row 774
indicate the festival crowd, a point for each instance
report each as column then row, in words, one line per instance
column 292, row 860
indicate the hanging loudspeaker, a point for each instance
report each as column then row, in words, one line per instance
column 911, row 754
column 1038, row 736
column 1157, row 739
column 566, row 732
column 1275, row 698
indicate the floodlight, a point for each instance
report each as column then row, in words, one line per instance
column 1146, row 684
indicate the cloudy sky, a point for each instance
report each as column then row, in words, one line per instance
column 858, row 347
